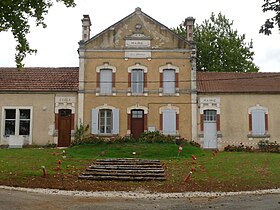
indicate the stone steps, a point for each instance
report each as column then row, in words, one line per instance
column 125, row 169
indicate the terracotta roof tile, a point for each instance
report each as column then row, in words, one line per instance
column 236, row 82
column 39, row 79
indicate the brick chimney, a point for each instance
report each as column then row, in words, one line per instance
column 189, row 25
column 86, row 28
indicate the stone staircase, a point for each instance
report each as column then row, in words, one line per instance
column 127, row 169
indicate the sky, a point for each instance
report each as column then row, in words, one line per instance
column 58, row 43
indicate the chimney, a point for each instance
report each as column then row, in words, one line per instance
column 189, row 25
column 86, row 28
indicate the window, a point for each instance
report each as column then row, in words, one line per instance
column 24, row 122
column 137, row 114
column 17, row 122
column 210, row 115
column 10, row 122
column 258, row 121
column 105, row 81
column 137, row 81
column 169, row 121
column 169, row 81
column 105, row 121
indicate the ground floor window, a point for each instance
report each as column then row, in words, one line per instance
column 258, row 121
column 17, row 121
column 105, row 121
column 169, row 121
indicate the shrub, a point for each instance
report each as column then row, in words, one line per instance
column 81, row 134
column 266, row 146
column 156, row 137
column 193, row 143
column 239, row 148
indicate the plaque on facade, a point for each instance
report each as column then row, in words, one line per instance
column 137, row 43
column 209, row 100
column 65, row 100
column 137, row 54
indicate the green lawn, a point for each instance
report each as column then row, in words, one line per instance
column 227, row 169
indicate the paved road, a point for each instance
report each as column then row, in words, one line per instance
column 10, row 200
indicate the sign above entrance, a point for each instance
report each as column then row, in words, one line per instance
column 65, row 99
column 209, row 100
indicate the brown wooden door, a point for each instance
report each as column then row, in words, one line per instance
column 137, row 123
column 64, row 128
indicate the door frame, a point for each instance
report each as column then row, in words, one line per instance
column 67, row 117
column 210, row 124
column 140, row 120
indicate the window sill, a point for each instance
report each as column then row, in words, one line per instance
column 105, row 135
column 137, row 94
column 105, row 94
column 169, row 94
column 258, row 136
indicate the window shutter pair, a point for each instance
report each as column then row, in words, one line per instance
column 95, row 121
column 258, row 122
column 169, row 122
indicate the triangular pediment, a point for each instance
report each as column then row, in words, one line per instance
column 137, row 30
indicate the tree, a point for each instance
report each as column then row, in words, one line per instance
column 14, row 15
column 220, row 48
column 273, row 6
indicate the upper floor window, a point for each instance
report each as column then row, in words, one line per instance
column 105, row 81
column 169, row 81
column 137, row 81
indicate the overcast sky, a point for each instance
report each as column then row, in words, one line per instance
column 58, row 43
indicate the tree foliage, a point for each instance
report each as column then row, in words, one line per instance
column 271, row 6
column 14, row 16
column 219, row 47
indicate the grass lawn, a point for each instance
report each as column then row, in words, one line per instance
column 227, row 171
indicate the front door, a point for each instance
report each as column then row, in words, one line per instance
column 210, row 129
column 64, row 128
column 137, row 122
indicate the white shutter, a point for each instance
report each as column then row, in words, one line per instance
column 169, row 81
column 94, row 121
column 169, row 122
column 106, row 81
column 258, row 122
column 116, row 128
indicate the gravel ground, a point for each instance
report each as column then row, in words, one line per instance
column 140, row 195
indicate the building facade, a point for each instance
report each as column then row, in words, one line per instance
column 134, row 77
column 38, row 106
column 237, row 108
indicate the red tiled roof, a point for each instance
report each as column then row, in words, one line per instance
column 236, row 82
column 39, row 79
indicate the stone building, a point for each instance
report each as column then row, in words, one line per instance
column 235, row 108
column 136, row 76
column 38, row 106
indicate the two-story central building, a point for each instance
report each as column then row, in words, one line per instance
column 135, row 76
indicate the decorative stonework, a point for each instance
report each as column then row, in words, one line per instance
column 65, row 103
